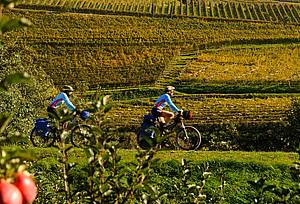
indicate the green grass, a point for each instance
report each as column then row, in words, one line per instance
column 259, row 158
column 237, row 167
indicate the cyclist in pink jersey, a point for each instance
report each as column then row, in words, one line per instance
column 62, row 97
column 163, row 115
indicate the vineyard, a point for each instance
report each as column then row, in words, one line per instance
column 132, row 51
column 212, row 110
column 232, row 62
column 264, row 11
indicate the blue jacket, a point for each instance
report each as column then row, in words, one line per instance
column 163, row 100
column 60, row 99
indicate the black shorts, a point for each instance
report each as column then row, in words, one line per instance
column 156, row 112
column 52, row 113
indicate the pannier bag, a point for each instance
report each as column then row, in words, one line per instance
column 147, row 134
column 42, row 127
column 149, row 119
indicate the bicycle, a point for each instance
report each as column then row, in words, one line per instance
column 44, row 133
column 187, row 137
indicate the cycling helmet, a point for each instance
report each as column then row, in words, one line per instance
column 67, row 89
column 84, row 115
column 169, row 88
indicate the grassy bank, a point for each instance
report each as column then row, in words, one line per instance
column 231, row 170
column 259, row 158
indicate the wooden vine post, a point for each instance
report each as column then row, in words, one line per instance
column 187, row 8
column 174, row 8
column 1, row 8
column 192, row 7
column 169, row 8
column 181, row 10
column 199, row 8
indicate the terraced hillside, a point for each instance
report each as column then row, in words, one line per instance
column 217, row 66
column 130, row 50
column 269, row 69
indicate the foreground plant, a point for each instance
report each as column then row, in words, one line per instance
column 189, row 191
column 17, row 184
column 281, row 194
column 104, row 179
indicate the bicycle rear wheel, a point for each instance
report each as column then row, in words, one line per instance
column 42, row 141
column 147, row 138
column 82, row 136
column 188, row 138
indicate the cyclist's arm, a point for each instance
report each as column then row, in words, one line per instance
column 68, row 103
column 171, row 104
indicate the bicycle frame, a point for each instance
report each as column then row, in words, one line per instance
column 64, row 124
column 56, row 128
column 178, row 120
column 186, row 137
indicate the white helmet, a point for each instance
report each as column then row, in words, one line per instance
column 169, row 88
column 67, row 89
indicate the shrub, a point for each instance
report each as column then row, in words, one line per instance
column 25, row 100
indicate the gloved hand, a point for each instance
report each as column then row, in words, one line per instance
column 76, row 112
column 180, row 112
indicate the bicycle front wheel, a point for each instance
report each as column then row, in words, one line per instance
column 42, row 141
column 188, row 138
column 82, row 136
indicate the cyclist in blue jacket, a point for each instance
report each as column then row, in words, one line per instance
column 163, row 115
column 62, row 97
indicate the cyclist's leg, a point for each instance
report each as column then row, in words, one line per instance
column 165, row 118
column 167, row 115
column 157, row 113
column 162, row 123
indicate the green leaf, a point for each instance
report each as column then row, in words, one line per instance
column 5, row 118
column 8, row 24
column 13, row 79
column 8, row 3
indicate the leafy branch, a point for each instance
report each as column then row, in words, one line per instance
column 8, row 24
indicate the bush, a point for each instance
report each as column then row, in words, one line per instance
column 26, row 101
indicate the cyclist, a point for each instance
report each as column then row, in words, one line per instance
column 163, row 115
column 62, row 97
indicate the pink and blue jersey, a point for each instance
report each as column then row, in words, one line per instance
column 60, row 99
column 163, row 100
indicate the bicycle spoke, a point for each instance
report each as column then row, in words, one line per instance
column 189, row 138
column 41, row 140
column 82, row 136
